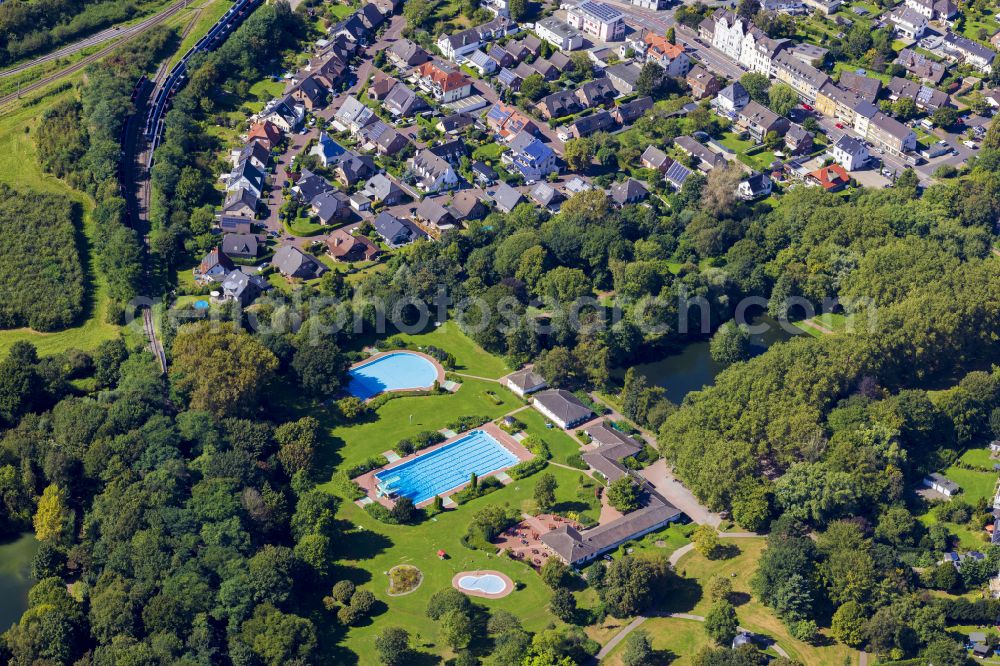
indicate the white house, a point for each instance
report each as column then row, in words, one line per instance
column 433, row 173
column 597, row 19
column 524, row 382
column 850, row 153
column 562, row 408
column 559, row 34
column 941, row 484
column 908, row 23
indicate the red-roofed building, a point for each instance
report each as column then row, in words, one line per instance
column 508, row 121
column 669, row 56
column 444, row 82
column 832, row 178
column 266, row 132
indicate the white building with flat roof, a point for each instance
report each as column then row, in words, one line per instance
column 597, row 19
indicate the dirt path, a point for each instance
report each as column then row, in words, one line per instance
column 817, row 326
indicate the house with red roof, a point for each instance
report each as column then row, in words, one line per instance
column 831, row 178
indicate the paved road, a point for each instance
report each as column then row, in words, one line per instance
column 99, row 38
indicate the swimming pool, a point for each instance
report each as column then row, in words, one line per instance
column 448, row 467
column 392, row 372
column 201, row 305
column 488, row 583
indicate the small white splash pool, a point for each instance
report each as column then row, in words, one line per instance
column 486, row 583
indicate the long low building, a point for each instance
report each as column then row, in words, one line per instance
column 575, row 547
column 562, row 408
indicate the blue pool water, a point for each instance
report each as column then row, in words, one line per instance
column 445, row 468
column 488, row 583
column 399, row 370
column 201, row 305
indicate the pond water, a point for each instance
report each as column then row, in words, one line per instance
column 15, row 578
column 693, row 368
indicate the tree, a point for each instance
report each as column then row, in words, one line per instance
column 457, row 629
column 721, row 622
column 730, row 344
column 579, row 153
column 945, row 116
column 757, row 86
column 20, row 386
column 718, row 197
column 563, row 605
column 297, row 440
column 848, row 624
column 638, row 650
column 534, row 87
column 628, row 586
column 393, row 646
column 650, row 79
column 748, row 8
column 319, row 367
column 782, row 98
column 706, row 540
column 992, row 139
column 720, row 588
column 904, row 108
column 417, row 13
column 518, row 9
column 545, row 492
column 554, row 573
column 53, row 520
column 220, row 368
column 623, row 495
column 671, row 35
column 279, row 638
column 946, row 652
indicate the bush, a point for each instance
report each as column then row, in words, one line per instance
column 576, row 460
column 467, row 423
column 526, row 468
column 363, row 468
column 483, row 487
column 537, row 446
column 421, row 440
column 344, row 486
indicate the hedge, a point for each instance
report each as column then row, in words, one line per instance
column 526, row 468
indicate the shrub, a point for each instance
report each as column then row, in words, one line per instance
column 526, row 468
column 576, row 460
column 537, row 446
column 363, row 468
column 344, row 486
column 467, row 423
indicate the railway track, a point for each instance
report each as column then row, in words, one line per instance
column 84, row 62
column 99, row 38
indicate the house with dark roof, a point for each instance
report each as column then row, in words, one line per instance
column 405, row 53
column 246, row 176
column 531, row 158
column 240, row 246
column 507, row 198
column 921, row 66
column 500, row 56
column 380, row 85
column 628, row 191
column 396, row 232
column 483, row 173
column 371, row 16
column 601, row 121
column 243, row 288
column 214, row 267
column 926, row 98
column 611, row 448
column 623, row 76
column 757, row 121
column 481, row 62
column 865, row 87
column 454, row 123
column 559, row 104
column 433, row 173
column 256, row 152
column 631, row 111
column 546, row 196
column 850, row 153
column 330, row 206
column 755, row 186
column 731, row 99
column 707, row 159
column 234, row 225
column 941, row 484
column 433, row 213
column 466, row 205
column 310, row 93
column 676, row 174
column 354, row 169
column 525, row 382
column 798, row 139
column 562, row 408
column 383, row 190
column 292, row 262
column 701, row 83
column 342, row 245
column 548, row 71
column 654, row 158
column 452, row 151
column 240, row 203
column 597, row 92
column 310, row 185
column 402, row 102
column 287, row 113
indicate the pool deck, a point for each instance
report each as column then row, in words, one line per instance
column 508, row 584
column 374, row 357
column 368, row 482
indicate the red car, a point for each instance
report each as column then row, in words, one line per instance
column 806, row 107
column 839, row 125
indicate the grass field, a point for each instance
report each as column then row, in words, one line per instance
column 373, row 548
column 679, row 640
column 560, row 444
column 19, row 168
column 975, row 484
column 838, row 323
column 470, row 358
column 752, row 614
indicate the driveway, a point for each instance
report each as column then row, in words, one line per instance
column 677, row 494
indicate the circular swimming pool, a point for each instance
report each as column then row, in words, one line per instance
column 395, row 371
column 201, row 305
column 485, row 583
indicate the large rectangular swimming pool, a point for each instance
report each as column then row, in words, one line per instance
column 446, row 468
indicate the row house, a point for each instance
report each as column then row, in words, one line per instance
column 865, row 87
column 702, row 83
column 844, row 105
column 891, row 135
column 934, row 9
column 926, row 98
column 970, row 52
column 805, row 79
column 758, row 121
column 602, row 121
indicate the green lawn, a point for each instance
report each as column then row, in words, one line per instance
column 680, row 639
column 560, row 444
column 19, row 168
column 339, row 11
column 304, row 226
column 753, row 615
column 488, row 152
column 469, row 357
column 968, row 538
column 406, row 416
column 733, row 142
column 373, row 548
column 836, row 322
column 980, row 458
column 975, row 485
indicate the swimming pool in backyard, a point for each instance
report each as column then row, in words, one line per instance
column 445, row 468
column 393, row 372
